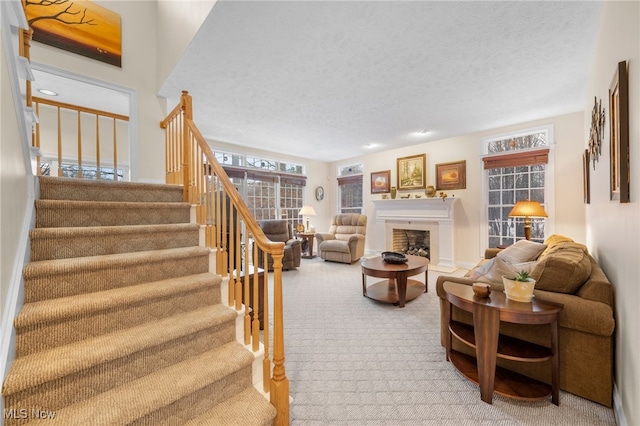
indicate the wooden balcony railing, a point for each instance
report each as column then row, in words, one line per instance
column 235, row 236
column 87, row 117
column 84, row 116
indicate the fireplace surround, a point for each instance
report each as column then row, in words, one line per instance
column 435, row 215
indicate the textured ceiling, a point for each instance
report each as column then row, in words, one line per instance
column 333, row 80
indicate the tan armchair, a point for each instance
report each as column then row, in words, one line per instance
column 280, row 230
column 345, row 240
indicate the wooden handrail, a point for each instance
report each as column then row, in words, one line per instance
column 239, row 243
column 80, row 108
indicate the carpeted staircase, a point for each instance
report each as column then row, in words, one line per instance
column 122, row 322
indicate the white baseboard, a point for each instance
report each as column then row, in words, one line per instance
column 618, row 410
column 441, row 268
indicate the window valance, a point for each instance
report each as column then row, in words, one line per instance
column 525, row 158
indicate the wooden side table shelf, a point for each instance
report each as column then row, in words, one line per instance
column 490, row 345
column 308, row 237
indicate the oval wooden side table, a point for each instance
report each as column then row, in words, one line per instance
column 490, row 345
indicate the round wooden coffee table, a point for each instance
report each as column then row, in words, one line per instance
column 397, row 288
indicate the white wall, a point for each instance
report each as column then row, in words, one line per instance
column 14, row 185
column 469, row 243
column 178, row 23
column 139, row 58
column 613, row 229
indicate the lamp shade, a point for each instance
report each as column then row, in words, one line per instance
column 307, row 211
column 528, row 208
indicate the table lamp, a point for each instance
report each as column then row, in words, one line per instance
column 307, row 211
column 527, row 209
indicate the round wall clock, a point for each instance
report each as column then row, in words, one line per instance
column 319, row 193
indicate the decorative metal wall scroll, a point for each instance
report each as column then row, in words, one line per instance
column 597, row 129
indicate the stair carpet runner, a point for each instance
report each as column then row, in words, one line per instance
column 122, row 322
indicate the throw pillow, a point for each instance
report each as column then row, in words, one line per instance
column 521, row 251
column 552, row 241
column 496, row 268
column 564, row 269
column 556, row 238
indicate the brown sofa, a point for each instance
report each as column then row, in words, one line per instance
column 565, row 273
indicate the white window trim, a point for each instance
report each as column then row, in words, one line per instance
column 549, row 183
column 337, row 192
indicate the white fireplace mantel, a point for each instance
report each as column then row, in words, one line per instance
column 436, row 214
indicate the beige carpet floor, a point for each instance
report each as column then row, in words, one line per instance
column 354, row 361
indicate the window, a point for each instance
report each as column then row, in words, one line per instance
column 291, row 200
column 261, row 198
column 350, row 188
column 90, row 172
column 516, row 168
column 271, row 189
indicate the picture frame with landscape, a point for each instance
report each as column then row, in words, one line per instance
column 380, row 182
column 450, row 176
column 586, row 185
column 619, row 135
column 411, row 172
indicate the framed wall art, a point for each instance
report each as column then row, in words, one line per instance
column 411, row 172
column 451, row 175
column 81, row 27
column 586, row 185
column 380, row 182
column 619, row 134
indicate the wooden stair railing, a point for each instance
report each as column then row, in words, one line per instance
column 232, row 231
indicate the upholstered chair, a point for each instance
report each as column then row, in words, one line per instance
column 345, row 240
column 281, row 231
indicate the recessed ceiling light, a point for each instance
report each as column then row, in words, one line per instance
column 420, row 133
column 47, row 92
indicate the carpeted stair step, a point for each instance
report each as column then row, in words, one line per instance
column 255, row 408
column 49, row 279
column 69, row 374
column 182, row 390
column 55, row 322
column 56, row 188
column 64, row 243
column 121, row 322
column 256, row 411
column 62, row 213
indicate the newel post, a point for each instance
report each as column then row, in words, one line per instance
column 279, row 388
column 187, row 114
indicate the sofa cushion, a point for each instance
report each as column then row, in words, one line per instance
column 335, row 245
column 521, row 251
column 493, row 270
column 563, row 269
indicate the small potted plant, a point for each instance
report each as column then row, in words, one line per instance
column 520, row 287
